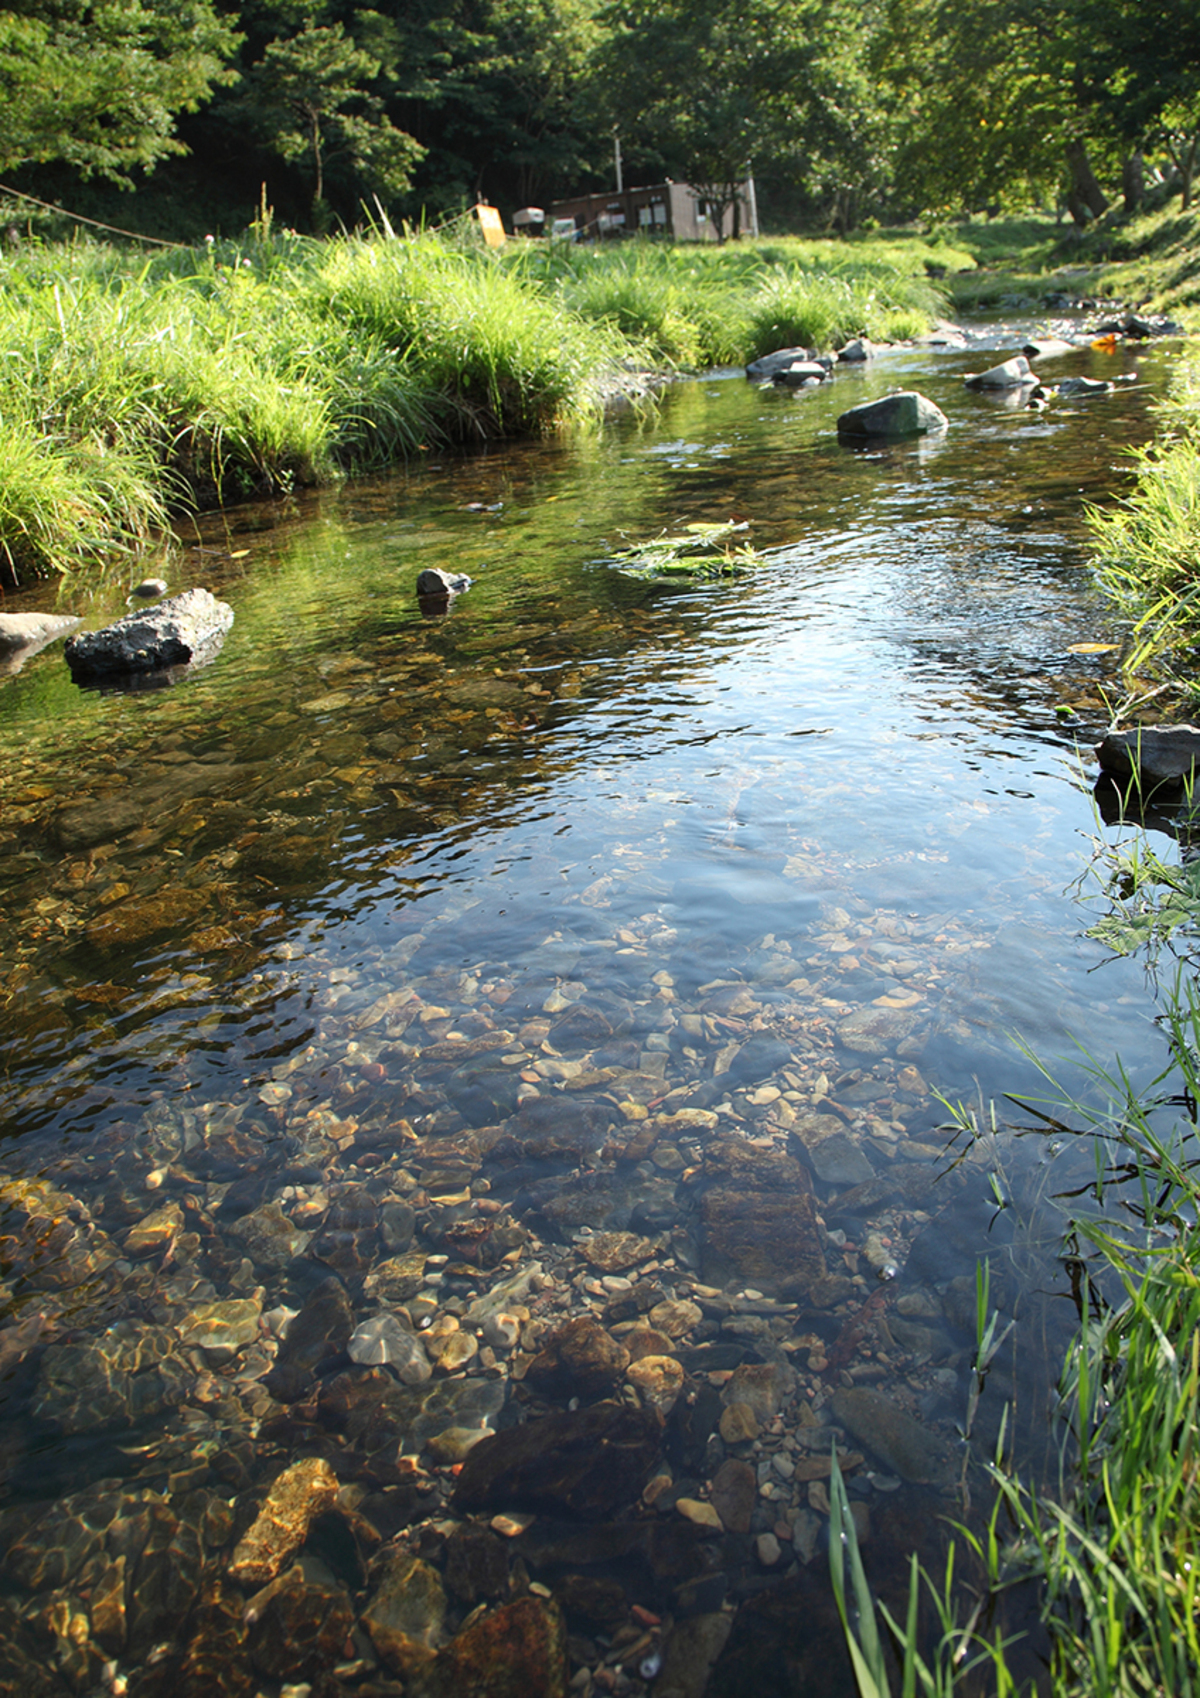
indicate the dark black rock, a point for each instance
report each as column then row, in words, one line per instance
column 322, row 1329
column 186, row 629
column 588, row 1462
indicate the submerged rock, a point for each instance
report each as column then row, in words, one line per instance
column 301, row 1493
column 516, row 1651
column 903, row 1444
column 588, row 1462
column 186, row 629
column 905, row 413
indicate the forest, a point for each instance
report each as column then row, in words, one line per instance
column 173, row 117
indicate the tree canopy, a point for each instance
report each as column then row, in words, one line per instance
column 843, row 109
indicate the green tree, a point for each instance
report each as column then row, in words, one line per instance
column 310, row 97
column 99, row 85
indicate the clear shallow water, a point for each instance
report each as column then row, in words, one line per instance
column 312, row 931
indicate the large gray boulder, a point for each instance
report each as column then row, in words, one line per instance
column 24, row 634
column 1153, row 754
column 768, row 364
column 906, row 413
column 1010, row 374
column 188, row 628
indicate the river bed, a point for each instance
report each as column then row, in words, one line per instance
column 539, row 1021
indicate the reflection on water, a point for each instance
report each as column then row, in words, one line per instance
column 532, row 1021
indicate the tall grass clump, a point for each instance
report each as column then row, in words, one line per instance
column 499, row 356
column 1147, row 548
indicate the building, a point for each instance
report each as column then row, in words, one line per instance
column 674, row 210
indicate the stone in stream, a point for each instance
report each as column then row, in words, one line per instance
column 903, row 1444
column 856, row 350
column 1082, row 386
column 406, row 1613
column 186, row 629
column 322, row 1329
column 23, row 635
column 768, row 364
column 382, row 1338
column 800, row 373
column 1009, row 374
column 1047, row 348
column 579, row 1360
column 906, row 413
column 516, row 1651
column 587, row 1462
column 300, row 1494
column 1154, row 754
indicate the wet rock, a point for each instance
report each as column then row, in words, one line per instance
column 382, row 1338
column 763, row 1238
column 690, row 1650
column 1009, row 374
column 24, row 634
column 127, row 1375
column 578, row 1360
column 739, row 1424
column 675, row 1316
column 875, row 1031
column 904, row 414
column 734, row 1495
column 1047, row 348
column 300, row 1494
column 1155, row 754
column 132, row 922
column 799, row 373
column 323, row 1328
column 768, row 364
column 406, row 1613
column 222, row 1329
column 269, row 1238
column 186, row 629
column 613, row 1252
column 835, row 1157
column 925, row 1342
column 1082, row 386
column 764, row 1386
column 559, row 1128
column 658, row 1381
column 587, row 1462
column 700, row 1514
column 757, row 1059
column 397, row 1279
column 516, row 1651
column 856, row 350
column 348, row 1239
column 301, row 1631
column 433, row 581
column 476, row 1563
column 86, row 823
column 901, row 1443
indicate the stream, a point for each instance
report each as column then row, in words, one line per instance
column 476, row 1090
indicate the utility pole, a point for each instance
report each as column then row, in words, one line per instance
column 751, row 202
column 617, row 161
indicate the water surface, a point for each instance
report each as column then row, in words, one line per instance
column 589, row 908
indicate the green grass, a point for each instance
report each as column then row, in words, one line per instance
column 132, row 389
column 1147, row 547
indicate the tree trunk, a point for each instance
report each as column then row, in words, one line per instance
column 1085, row 198
column 1133, row 182
column 1188, row 172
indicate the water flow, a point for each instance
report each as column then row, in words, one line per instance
column 596, row 955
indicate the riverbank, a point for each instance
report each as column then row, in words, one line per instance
column 139, row 389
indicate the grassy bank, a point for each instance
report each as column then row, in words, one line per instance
column 132, row 390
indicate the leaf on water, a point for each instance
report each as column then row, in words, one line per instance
column 702, row 551
column 1093, row 648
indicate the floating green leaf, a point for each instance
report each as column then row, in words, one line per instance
column 699, row 551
